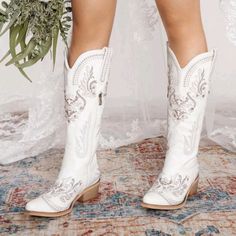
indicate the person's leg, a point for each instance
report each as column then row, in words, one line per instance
column 183, row 25
column 85, row 89
column 189, row 69
column 92, row 25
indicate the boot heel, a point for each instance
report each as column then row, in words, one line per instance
column 194, row 187
column 90, row 194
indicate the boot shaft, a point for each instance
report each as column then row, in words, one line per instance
column 85, row 91
column 86, row 82
column 188, row 90
column 189, row 86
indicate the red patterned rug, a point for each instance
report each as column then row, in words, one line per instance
column 127, row 174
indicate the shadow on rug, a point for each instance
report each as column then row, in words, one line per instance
column 127, row 173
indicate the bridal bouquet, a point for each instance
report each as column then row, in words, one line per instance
column 33, row 27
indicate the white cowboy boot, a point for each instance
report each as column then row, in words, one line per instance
column 187, row 95
column 85, row 88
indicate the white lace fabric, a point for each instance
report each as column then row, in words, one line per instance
column 229, row 9
column 136, row 103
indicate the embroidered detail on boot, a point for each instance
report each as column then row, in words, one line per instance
column 64, row 189
column 74, row 106
column 87, row 87
column 182, row 106
column 177, row 185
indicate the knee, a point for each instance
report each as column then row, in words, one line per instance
column 177, row 18
column 90, row 27
column 86, row 29
column 178, row 26
column 89, row 33
column 175, row 23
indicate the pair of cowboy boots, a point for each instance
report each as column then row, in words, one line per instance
column 85, row 91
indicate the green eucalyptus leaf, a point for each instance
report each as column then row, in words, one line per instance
column 5, row 4
column 22, row 33
column 10, row 24
column 22, row 38
column 13, row 43
column 43, row 52
column 14, row 30
column 31, row 45
column 24, row 74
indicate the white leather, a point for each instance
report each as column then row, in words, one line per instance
column 85, row 90
column 187, row 96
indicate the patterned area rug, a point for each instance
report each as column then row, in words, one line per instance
column 127, row 173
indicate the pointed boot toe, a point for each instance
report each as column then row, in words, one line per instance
column 152, row 198
column 38, row 205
